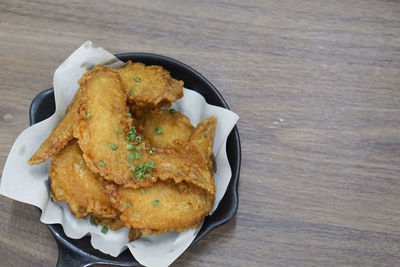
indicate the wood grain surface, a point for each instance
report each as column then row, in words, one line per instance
column 317, row 86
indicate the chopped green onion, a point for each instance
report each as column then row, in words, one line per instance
column 143, row 170
column 138, row 156
column 88, row 116
column 172, row 111
column 131, row 156
column 102, row 164
column 128, row 114
column 51, row 195
column 133, row 168
column 114, row 147
column 158, row 130
column 118, row 131
column 138, row 149
column 155, row 203
column 143, row 192
column 123, row 65
column 104, row 143
column 131, row 135
column 130, row 146
column 153, row 148
column 137, row 79
column 127, row 205
column 93, row 223
column 138, row 139
column 151, row 152
column 104, row 230
column 131, row 91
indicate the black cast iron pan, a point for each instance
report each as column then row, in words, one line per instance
column 79, row 252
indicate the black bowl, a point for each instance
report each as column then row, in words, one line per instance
column 79, row 252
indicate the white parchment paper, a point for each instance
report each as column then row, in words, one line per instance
column 29, row 184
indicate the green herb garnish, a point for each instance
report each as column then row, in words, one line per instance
column 118, row 131
column 172, row 111
column 155, row 203
column 158, row 130
column 143, row 170
column 138, row 156
column 104, row 143
column 130, row 146
column 128, row 114
column 123, row 65
column 137, row 79
column 138, row 139
column 131, row 91
column 114, row 147
column 127, row 205
column 143, row 192
column 104, row 230
column 102, row 164
column 138, row 149
column 131, row 135
column 88, row 116
column 131, row 156
column 51, row 195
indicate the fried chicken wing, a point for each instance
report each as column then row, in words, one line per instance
column 72, row 181
column 60, row 135
column 183, row 162
column 185, row 153
column 150, row 86
column 164, row 206
column 101, row 127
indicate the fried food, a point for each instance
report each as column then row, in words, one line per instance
column 183, row 162
column 164, row 206
column 72, row 181
column 150, row 86
column 183, row 153
column 150, row 171
column 174, row 126
column 202, row 139
column 60, row 135
column 188, row 161
column 134, row 234
column 102, row 122
column 113, row 223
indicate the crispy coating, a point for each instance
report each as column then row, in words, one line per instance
column 113, row 223
column 104, row 98
column 153, row 87
column 183, row 153
column 134, row 234
column 164, row 206
column 162, row 231
column 175, row 126
column 60, row 135
column 183, row 162
column 72, row 181
column 202, row 139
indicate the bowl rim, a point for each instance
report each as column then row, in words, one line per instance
column 70, row 253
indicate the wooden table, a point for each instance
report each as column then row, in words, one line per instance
column 317, row 86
